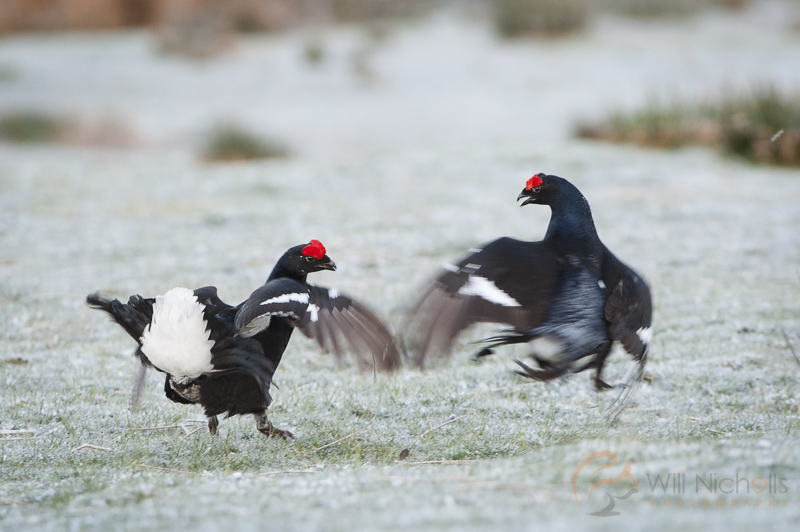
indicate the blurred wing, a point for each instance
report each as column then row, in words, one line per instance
column 281, row 297
column 508, row 281
column 629, row 311
column 138, row 385
column 339, row 323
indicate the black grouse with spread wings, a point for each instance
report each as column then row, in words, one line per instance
column 223, row 357
column 568, row 297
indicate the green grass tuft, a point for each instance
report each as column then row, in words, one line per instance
column 762, row 125
column 669, row 8
column 519, row 18
column 553, row 18
column 229, row 142
column 31, row 126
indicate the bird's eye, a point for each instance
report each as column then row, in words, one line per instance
column 309, row 258
column 536, row 189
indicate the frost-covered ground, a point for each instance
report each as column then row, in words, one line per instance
column 398, row 168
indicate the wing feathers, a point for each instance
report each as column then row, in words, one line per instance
column 283, row 297
column 342, row 320
column 335, row 321
column 629, row 310
column 507, row 281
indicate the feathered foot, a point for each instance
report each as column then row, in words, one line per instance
column 506, row 337
column 213, row 425
column 599, row 384
column 544, row 375
column 268, row 429
column 485, row 352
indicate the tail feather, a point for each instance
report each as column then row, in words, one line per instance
column 142, row 305
column 132, row 318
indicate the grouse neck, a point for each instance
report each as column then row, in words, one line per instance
column 571, row 222
column 280, row 271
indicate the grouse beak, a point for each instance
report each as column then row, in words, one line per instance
column 327, row 264
column 528, row 198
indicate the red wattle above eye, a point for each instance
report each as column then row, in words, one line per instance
column 535, row 181
column 314, row 249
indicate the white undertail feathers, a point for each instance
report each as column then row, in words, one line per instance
column 176, row 341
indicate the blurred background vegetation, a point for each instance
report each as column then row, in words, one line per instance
column 231, row 142
column 214, row 21
column 761, row 125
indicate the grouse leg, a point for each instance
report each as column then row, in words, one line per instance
column 599, row 360
column 213, row 425
column 269, row 430
column 547, row 374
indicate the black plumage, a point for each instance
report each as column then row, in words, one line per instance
column 223, row 357
column 567, row 296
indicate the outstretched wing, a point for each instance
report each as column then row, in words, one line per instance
column 339, row 323
column 282, row 297
column 508, row 281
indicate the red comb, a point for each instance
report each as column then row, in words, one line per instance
column 314, row 249
column 535, row 181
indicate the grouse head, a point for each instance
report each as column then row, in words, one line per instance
column 303, row 259
column 540, row 189
column 570, row 212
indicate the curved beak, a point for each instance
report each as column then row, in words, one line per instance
column 327, row 264
column 528, row 198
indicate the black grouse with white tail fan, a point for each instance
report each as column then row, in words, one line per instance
column 568, row 297
column 223, row 357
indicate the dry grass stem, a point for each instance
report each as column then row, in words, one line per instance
column 317, row 449
column 90, row 446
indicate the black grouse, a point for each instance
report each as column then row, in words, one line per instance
column 568, row 297
column 223, row 357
